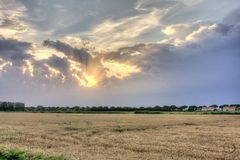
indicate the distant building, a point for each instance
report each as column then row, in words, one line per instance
column 231, row 108
column 213, row 108
column 209, row 108
column 204, row 108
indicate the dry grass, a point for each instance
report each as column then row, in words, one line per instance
column 106, row 136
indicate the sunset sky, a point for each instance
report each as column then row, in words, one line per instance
column 120, row 52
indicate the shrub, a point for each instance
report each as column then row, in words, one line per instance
column 16, row 154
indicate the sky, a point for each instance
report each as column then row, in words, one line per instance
column 120, row 52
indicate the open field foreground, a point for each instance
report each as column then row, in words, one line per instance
column 118, row 136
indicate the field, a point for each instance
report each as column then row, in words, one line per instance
column 123, row 136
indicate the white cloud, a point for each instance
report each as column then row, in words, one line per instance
column 113, row 34
column 179, row 34
column 10, row 14
column 201, row 32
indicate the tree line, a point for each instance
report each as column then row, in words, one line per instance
column 10, row 106
column 79, row 109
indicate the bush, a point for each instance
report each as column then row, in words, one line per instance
column 16, row 154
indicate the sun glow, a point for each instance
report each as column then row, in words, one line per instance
column 85, row 80
column 89, row 80
column 81, row 76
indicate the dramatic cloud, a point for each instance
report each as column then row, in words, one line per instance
column 232, row 18
column 139, row 49
column 89, row 70
column 14, row 50
column 122, row 32
column 58, row 63
column 79, row 55
column 11, row 24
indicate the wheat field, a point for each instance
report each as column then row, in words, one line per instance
column 123, row 136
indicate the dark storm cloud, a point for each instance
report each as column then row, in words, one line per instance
column 80, row 55
column 219, row 48
column 233, row 17
column 59, row 63
column 14, row 50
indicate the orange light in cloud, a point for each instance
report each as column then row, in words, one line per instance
column 28, row 68
column 4, row 64
column 119, row 70
column 82, row 77
column 41, row 53
column 54, row 72
column 169, row 30
column 90, row 81
column 85, row 80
